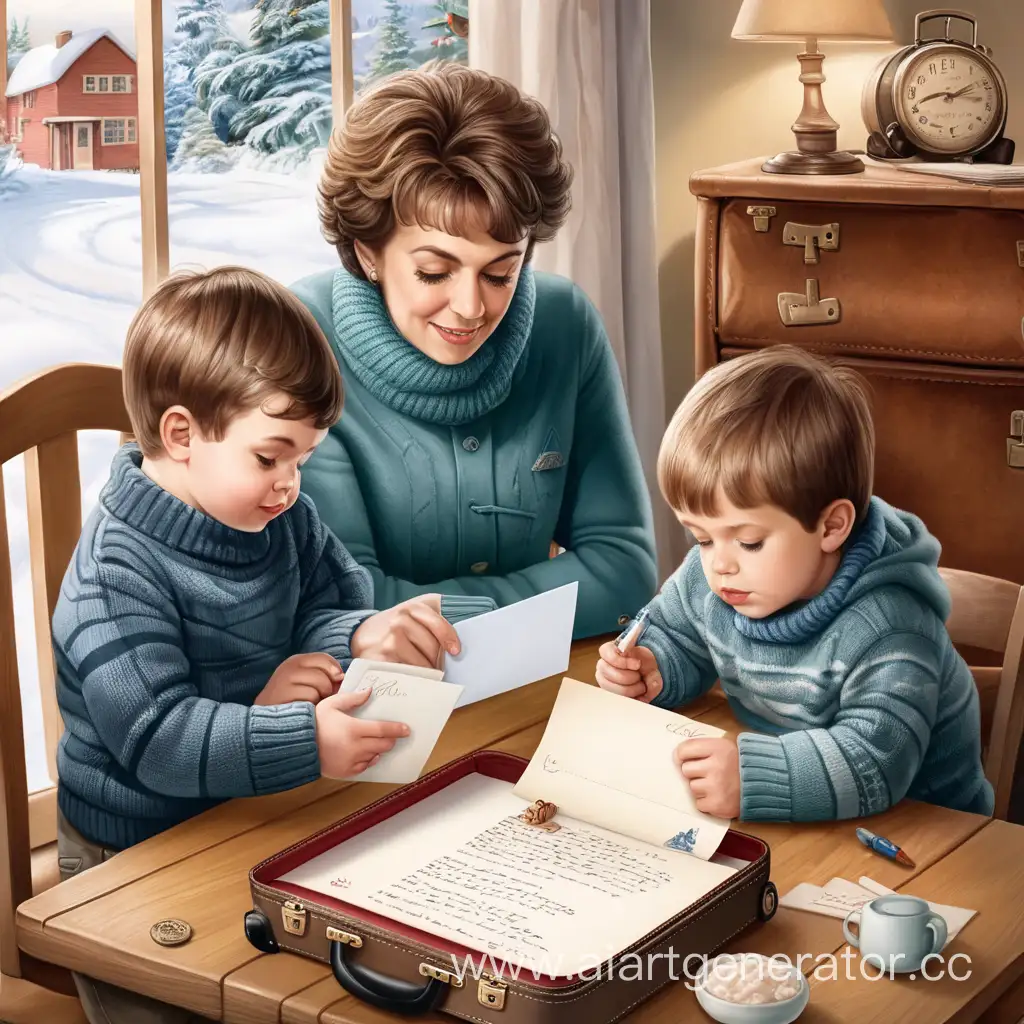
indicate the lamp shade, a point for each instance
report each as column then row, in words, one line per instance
column 861, row 21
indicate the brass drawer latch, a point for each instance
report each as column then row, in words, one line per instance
column 1015, row 442
column 796, row 309
column 762, row 216
column 812, row 237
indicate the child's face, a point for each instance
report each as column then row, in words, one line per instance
column 760, row 560
column 252, row 475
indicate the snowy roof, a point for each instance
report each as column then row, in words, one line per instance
column 45, row 65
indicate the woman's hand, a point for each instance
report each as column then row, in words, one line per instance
column 412, row 633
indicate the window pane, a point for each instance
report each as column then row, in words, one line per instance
column 248, row 118
column 390, row 36
column 70, row 262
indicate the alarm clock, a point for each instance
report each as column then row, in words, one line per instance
column 940, row 99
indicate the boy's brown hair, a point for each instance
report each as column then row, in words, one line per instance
column 221, row 343
column 776, row 427
column 437, row 147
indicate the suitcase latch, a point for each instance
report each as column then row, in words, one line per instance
column 812, row 237
column 439, row 974
column 796, row 309
column 491, row 992
column 1015, row 442
column 345, row 938
column 762, row 216
column 293, row 915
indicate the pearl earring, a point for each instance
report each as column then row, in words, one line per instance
column 373, row 275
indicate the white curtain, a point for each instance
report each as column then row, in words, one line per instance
column 589, row 63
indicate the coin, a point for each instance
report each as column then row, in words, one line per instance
column 171, row 932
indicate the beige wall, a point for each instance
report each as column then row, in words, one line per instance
column 718, row 100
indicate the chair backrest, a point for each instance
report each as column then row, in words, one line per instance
column 988, row 614
column 40, row 417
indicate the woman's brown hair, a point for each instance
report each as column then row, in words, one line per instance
column 434, row 147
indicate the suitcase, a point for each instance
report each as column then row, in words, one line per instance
column 917, row 282
column 395, row 967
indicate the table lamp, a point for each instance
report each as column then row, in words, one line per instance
column 808, row 21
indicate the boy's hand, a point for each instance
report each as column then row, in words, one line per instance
column 634, row 674
column 712, row 768
column 347, row 745
column 302, row 677
column 412, row 633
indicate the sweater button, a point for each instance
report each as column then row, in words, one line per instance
column 623, row 619
column 479, row 567
column 471, row 444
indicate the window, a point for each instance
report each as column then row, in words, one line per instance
column 83, row 136
column 89, row 83
column 28, row 100
column 118, row 130
column 104, row 83
column 22, row 121
column 121, row 83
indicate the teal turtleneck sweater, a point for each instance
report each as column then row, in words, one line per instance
column 856, row 698
column 456, row 479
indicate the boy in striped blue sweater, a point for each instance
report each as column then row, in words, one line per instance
column 207, row 615
column 817, row 605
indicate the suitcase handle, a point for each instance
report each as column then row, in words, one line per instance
column 386, row 993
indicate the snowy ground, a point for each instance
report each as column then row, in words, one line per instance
column 71, row 280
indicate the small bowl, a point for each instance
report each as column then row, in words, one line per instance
column 782, row 1011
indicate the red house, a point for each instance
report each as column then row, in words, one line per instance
column 72, row 104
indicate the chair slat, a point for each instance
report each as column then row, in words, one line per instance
column 15, row 858
column 983, row 607
column 54, row 526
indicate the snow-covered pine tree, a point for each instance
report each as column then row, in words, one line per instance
column 179, row 98
column 276, row 94
column 200, row 149
column 17, row 37
column 201, row 24
column 395, row 46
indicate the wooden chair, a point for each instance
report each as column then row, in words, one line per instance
column 988, row 615
column 40, row 417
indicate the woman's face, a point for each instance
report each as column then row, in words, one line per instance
column 445, row 293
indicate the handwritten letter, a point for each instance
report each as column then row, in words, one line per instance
column 607, row 760
column 462, row 866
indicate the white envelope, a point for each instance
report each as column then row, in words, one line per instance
column 514, row 645
column 424, row 704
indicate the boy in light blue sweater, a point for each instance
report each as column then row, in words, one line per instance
column 817, row 605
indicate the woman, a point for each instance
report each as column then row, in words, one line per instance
column 484, row 416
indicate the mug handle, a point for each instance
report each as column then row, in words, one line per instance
column 937, row 924
column 851, row 938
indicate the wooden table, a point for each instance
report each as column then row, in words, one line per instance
column 99, row 922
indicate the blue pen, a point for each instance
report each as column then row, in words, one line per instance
column 884, row 847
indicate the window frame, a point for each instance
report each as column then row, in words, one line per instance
column 86, row 79
column 130, row 131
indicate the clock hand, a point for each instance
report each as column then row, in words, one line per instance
column 932, row 96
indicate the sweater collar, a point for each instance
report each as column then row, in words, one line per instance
column 798, row 623
column 142, row 504
column 403, row 378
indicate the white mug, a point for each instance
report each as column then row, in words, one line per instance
column 898, row 933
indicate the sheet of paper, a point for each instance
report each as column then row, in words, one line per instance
column 514, row 645
column 461, row 865
column 608, row 760
column 360, row 665
column 839, row 896
column 425, row 705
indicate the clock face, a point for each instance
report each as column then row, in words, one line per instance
column 949, row 100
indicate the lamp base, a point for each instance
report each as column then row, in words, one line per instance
column 834, row 162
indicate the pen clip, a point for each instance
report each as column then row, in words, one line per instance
column 631, row 635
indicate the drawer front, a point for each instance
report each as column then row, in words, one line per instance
column 941, row 453
column 917, row 283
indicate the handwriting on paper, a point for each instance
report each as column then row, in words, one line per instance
column 501, row 887
column 553, row 765
column 686, row 729
column 383, row 685
column 843, row 901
